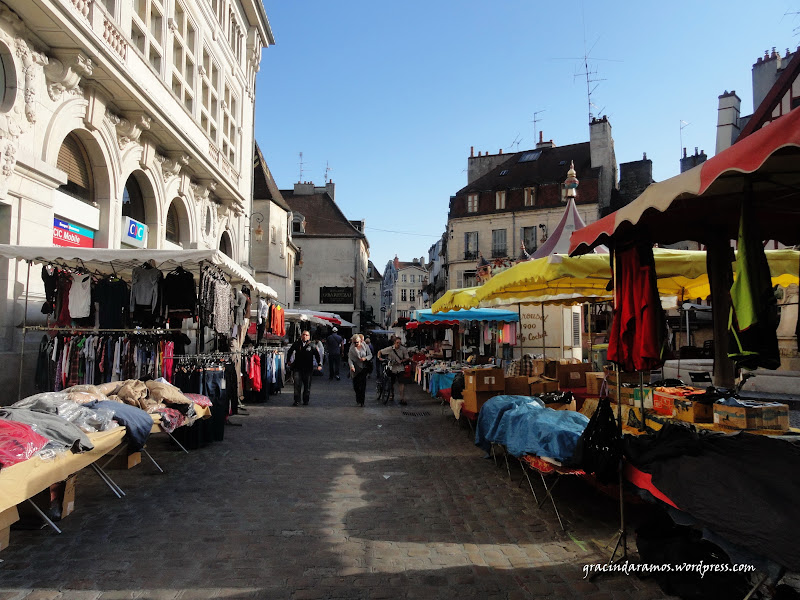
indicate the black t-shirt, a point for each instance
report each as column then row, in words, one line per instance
column 113, row 298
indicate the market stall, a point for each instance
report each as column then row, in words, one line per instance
column 124, row 294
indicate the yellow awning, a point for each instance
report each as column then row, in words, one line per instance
column 561, row 279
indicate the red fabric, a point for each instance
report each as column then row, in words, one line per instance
column 444, row 394
column 644, row 481
column 18, row 442
column 545, row 467
column 254, row 372
column 199, row 399
column 634, row 342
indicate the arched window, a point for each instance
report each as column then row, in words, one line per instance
column 173, row 225
column 133, row 201
column 225, row 244
column 73, row 160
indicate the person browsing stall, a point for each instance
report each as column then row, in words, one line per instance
column 301, row 359
column 360, row 360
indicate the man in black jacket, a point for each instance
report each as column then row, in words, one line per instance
column 301, row 360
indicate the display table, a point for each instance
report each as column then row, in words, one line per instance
column 26, row 479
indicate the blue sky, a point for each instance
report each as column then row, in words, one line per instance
column 391, row 95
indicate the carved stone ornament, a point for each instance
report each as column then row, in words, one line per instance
column 202, row 189
column 31, row 61
column 172, row 165
column 129, row 130
column 64, row 72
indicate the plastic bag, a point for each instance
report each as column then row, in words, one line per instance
column 18, row 442
column 87, row 419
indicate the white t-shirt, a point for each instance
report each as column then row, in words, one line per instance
column 80, row 296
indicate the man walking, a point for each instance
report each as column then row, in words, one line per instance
column 334, row 343
column 301, row 360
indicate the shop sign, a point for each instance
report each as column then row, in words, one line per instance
column 335, row 295
column 134, row 233
column 71, row 235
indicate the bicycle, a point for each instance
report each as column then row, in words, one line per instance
column 384, row 382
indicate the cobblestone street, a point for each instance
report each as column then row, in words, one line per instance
column 322, row 501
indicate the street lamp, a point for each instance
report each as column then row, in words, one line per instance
column 259, row 231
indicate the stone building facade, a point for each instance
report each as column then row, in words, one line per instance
column 125, row 124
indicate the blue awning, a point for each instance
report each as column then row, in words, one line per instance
column 472, row 314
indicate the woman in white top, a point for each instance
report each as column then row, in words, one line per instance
column 360, row 360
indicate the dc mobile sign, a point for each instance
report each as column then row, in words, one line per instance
column 134, row 233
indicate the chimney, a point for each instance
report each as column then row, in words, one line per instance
column 765, row 73
column 728, row 127
column 471, row 151
column 601, row 151
column 689, row 162
column 542, row 144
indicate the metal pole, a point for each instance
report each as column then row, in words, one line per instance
column 544, row 345
column 24, row 332
column 589, row 319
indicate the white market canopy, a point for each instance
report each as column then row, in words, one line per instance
column 123, row 261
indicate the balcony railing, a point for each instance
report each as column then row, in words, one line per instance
column 470, row 255
column 499, row 252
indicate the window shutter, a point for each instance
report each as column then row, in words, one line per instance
column 72, row 161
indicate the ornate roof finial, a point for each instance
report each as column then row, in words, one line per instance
column 523, row 255
column 571, row 183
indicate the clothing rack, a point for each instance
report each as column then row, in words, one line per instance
column 85, row 330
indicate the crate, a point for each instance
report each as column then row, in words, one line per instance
column 541, row 385
column 517, row 386
column 594, row 379
column 473, row 401
column 484, row 380
column 664, row 404
column 572, row 375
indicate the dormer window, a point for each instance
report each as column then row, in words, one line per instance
column 298, row 224
column 472, row 203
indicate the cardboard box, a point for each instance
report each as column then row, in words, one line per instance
column 766, row 415
column 517, row 386
column 626, row 395
column 692, row 411
column 474, row 400
column 541, row 385
column 7, row 518
column 484, row 380
column 56, row 508
column 594, row 379
column 124, row 460
column 573, row 375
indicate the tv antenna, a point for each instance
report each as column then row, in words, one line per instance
column 327, row 170
column 683, row 125
column 589, row 74
column 535, row 120
column 301, row 168
column 516, row 142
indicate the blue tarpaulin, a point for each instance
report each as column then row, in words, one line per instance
column 525, row 426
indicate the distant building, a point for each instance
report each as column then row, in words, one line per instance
column 520, row 198
column 372, row 309
column 402, row 289
column 333, row 253
column 273, row 257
